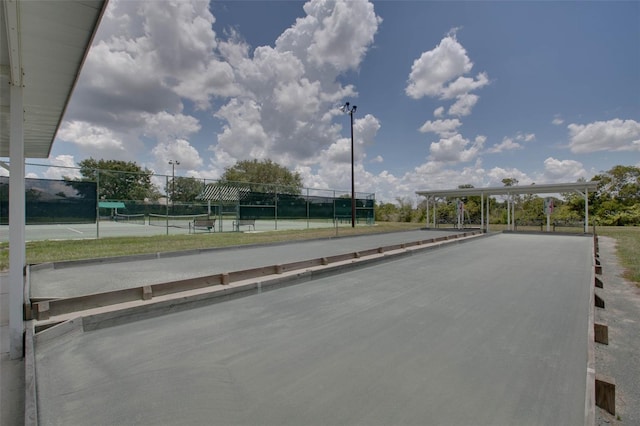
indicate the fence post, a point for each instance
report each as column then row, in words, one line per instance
column 166, row 189
column 276, row 207
column 307, row 208
column 97, row 204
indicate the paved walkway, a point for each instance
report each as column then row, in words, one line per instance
column 11, row 371
column 493, row 331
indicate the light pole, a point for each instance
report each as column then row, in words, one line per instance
column 350, row 110
column 173, row 163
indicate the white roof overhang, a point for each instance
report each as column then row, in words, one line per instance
column 555, row 188
column 43, row 45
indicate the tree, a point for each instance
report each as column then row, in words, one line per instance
column 472, row 205
column 265, row 175
column 386, row 212
column 621, row 183
column 184, row 189
column 405, row 209
column 119, row 180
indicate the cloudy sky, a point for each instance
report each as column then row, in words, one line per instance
column 447, row 93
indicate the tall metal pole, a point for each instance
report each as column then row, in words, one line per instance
column 173, row 184
column 353, row 185
column 350, row 111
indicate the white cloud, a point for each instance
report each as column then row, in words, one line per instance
column 562, row 170
column 364, row 131
column 463, row 85
column 179, row 150
column 151, row 60
column 377, row 159
column 612, row 135
column 526, row 137
column 87, row 135
column 455, row 149
column 507, row 144
column 164, row 126
column 464, row 104
column 512, row 143
column 441, row 73
column 442, row 128
column 434, row 68
column 557, row 120
column 496, row 174
column 62, row 166
column 290, row 91
column 333, row 35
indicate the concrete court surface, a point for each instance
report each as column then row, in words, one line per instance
column 82, row 279
column 490, row 332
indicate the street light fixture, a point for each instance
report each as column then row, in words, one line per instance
column 350, row 110
column 173, row 164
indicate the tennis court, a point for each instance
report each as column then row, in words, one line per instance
column 120, row 228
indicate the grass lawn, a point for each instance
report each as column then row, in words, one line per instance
column 627, row 247
column 52, row 251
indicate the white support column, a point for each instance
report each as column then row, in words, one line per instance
column 17, row 255
column 508, row 212
column 435, row 207
column 488, row 215
column 481, row 211
column 427, row 215
column 586, row 210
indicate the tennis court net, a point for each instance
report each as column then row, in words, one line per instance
column 135, row 219
column 174, row 221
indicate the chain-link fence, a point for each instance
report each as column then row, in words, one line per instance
column 113, row 201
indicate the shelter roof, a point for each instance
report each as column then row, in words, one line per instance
column 220, row 192
column 111, row 205
column 43, row 45
column 554, row 188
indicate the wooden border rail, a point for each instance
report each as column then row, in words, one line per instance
column 604, row 387
column 44, row 309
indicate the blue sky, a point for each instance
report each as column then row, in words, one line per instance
column 448, row 93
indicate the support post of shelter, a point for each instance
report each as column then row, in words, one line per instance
column 488, row 215
column 481, row 211
column 586, row 210
column 435, row 205
column 17, row 254
column 427, row 216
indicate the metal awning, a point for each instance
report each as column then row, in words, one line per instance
column 221, row 192
column 111, row 205
column 554, row 188
column 582, row 188
column 43, row 45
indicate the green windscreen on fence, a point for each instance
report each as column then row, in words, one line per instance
column 256, row 205
column 53, row 201
column 66, row 201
